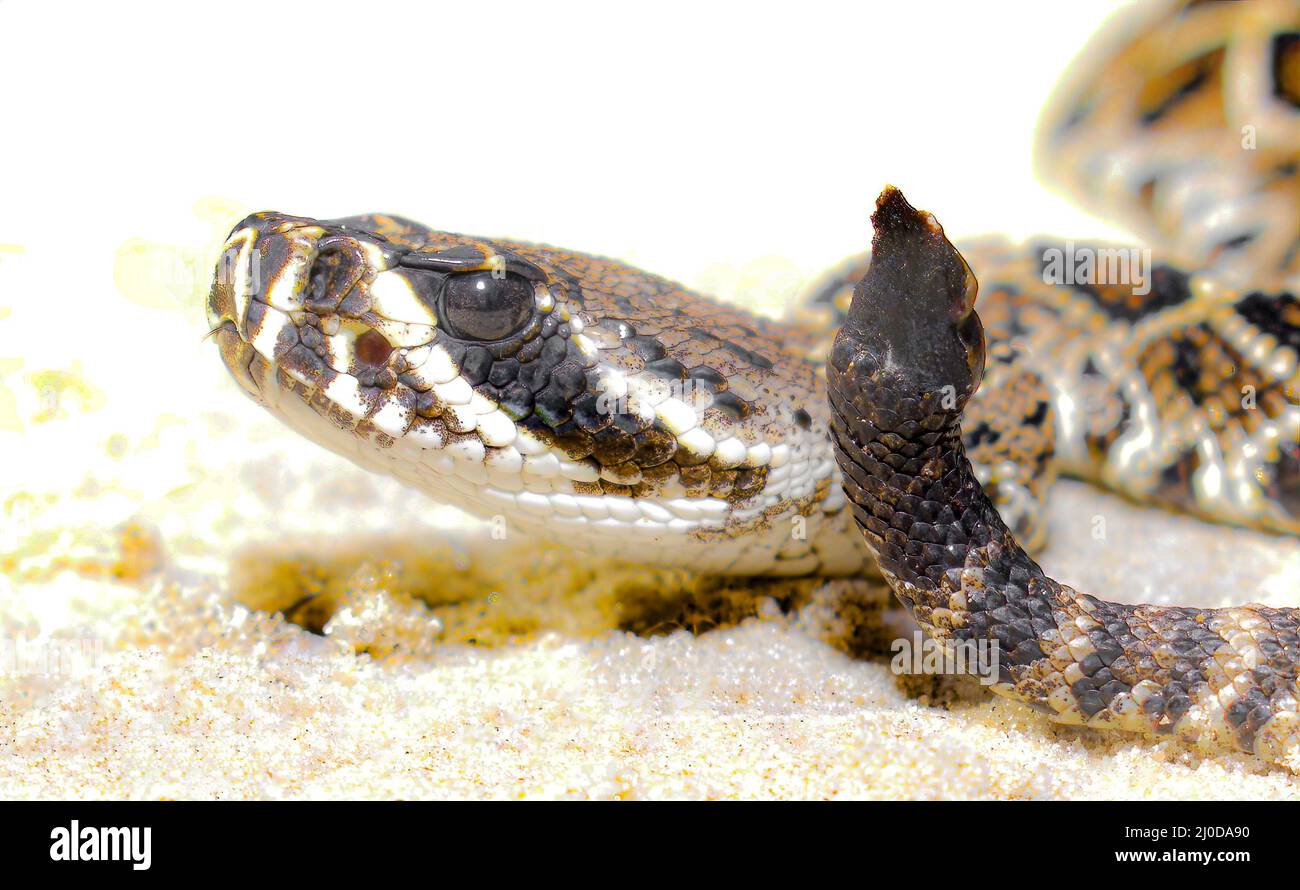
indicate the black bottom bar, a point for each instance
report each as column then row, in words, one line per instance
column 504, row 841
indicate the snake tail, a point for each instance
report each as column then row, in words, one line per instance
column 909, row 355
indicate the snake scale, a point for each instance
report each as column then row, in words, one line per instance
column 583, row 399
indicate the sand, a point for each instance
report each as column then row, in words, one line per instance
column 158, row 528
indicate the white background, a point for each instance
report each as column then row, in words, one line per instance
column 698, row 140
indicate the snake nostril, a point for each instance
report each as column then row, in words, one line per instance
column 318, row 283
column 373, row 348
column 334, row 278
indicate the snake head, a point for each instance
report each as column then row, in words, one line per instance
column 576, row 395
column 912, row 325
column 350, row 306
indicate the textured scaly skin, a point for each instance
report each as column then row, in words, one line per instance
column 909, row 357
column 1183, row 121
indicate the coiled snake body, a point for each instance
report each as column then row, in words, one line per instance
column 578, row 397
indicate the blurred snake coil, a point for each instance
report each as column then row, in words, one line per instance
column 587, row 401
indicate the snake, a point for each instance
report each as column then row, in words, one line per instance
column 884, row 428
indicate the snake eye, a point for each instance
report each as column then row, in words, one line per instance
column 478, row 306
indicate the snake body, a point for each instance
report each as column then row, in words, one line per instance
column 910, row 355
column 577, row 397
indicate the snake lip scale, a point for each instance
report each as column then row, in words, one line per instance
column 578, row 398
